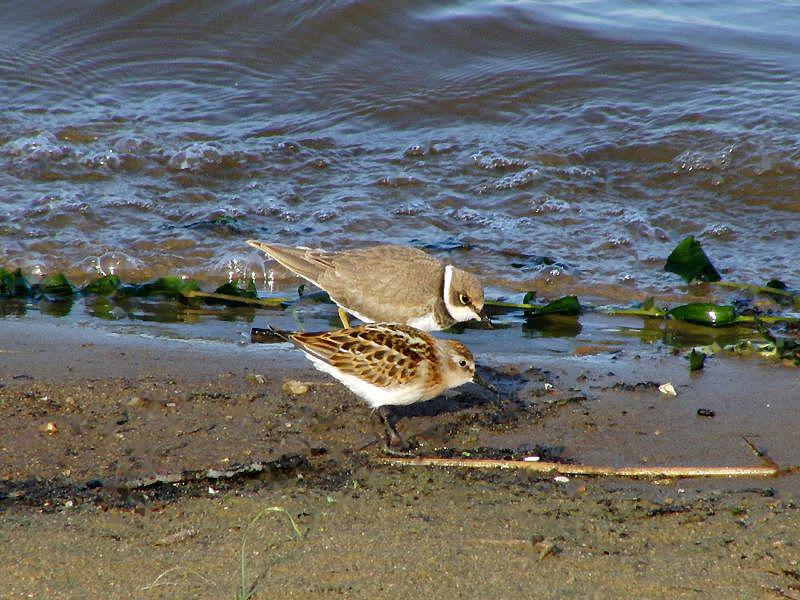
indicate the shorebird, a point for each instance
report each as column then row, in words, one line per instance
column 387, row 284
column 387, row 364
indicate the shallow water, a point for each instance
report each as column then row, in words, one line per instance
column 562, row 146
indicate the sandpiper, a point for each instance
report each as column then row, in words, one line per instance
column 387, row 283
column 388, row 364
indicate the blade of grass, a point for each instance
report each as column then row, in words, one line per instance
column 245, row 591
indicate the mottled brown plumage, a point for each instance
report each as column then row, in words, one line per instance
column 388, row 364
column 390, row 357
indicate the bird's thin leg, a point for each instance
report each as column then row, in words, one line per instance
column 392, row 437
column 343, row 318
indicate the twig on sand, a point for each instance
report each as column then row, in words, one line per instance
column 569, row 469
column 761, row 454
column 769, row 469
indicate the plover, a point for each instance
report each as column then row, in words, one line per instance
column 387, row 284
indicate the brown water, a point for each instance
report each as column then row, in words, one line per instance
column 560, row 144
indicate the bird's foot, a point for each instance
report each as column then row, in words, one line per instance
column 388, row 451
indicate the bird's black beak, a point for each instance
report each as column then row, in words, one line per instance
column 485, row 384
column 496, row 400
column 485, row 318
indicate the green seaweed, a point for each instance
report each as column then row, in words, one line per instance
column 771, row 290
column 647, row 310
column 704, row 313
column 102, row 286
column 697, row 359
column 690, row 262
column 567, row 305
column 220, row 224
column 55, row 285
column 231, row 289
column 787, row 347
column 13, row 284
column 172, row 287
column 233, row 295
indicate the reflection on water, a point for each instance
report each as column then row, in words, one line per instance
column 551, row 326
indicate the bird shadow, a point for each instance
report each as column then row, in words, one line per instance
column 506, row 388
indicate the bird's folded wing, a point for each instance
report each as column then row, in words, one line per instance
column 371, row 356
column 309, row 264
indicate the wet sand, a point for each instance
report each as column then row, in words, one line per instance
column 107, row 441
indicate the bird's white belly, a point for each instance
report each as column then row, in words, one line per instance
column 372, row 394
column 426, row 323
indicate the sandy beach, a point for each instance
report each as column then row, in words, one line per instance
column 108, row 441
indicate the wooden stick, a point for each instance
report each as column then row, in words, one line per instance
column 567, row 469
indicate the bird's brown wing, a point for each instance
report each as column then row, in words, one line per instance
column 385, row 283
column 377, row 354
column 381, row 283
column 305, row 262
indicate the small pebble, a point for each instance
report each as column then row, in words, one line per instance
column 561, row 479
column 668, row 389
column 256, row 379
column 704, row 412
column 49, row 428
column 292, row 386
column 531, row 459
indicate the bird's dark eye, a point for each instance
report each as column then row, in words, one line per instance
column 462, row 363
column 464, row 299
